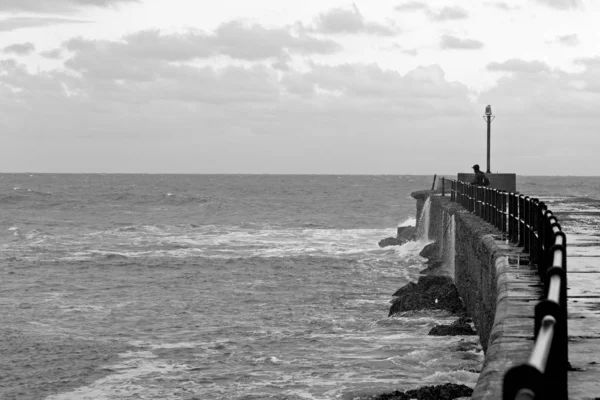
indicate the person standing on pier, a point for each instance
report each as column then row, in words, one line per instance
column 480, row 178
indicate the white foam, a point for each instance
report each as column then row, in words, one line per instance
column 154, row 241
column 135, row 365
column 410, row 221
column 461, row 377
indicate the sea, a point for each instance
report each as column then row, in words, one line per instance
column 117, row 286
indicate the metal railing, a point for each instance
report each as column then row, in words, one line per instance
column 527, row 222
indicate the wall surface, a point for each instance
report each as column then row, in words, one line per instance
column 497, row 290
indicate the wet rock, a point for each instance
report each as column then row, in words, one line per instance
column 430, row 293
column 410, row 287
column 407, row 232
column 434, row 267
column 391, row 241
column 459, row 327
column 448, row 391
column 431, row 251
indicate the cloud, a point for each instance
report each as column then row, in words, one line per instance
column 21, row 49
column 453, row 42
column 518, row 65
column 340, row 20
column 53, row 6
column 589, row 61
column 12, row 24
column 539, row 104
column 54, row 54
column 562, row 4
column 253, row 42
column 412, row 6
column 151, row 44
column 110, row 68
column 502, row 5
column 343, row 118
column 421, row 91
column 412, row 52
column 566, row 40
column 444, row 14
column 449, row 13
column 234, row 39
column 223, row 119
column 534, row 88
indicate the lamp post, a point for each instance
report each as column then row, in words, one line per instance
column 489, row 118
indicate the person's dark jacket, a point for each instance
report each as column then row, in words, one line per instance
column 479, row 178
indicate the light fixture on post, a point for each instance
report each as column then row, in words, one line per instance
column 489, row 118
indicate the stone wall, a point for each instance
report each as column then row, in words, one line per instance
column 499, row 304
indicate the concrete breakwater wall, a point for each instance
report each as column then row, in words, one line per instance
column 498, row 292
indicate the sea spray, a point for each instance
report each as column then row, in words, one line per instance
column 450, row 247
column 410, row 221
column 423, row 228
column 446, row 244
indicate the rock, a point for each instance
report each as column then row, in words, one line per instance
column 391, row 241
column 447, row 391
column 459, row 327
column 431, row 251
column 434, row 267
column 408, row 288
column 407, row 232
column 430, row 293
column 427, row 281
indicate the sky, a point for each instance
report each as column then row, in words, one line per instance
column 302, row 87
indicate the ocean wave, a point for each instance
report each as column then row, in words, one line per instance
column 125, row 379
column 460, row 376
column 410, row 221
column 136, row 241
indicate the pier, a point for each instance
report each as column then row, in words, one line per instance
column 517, row 284
column 580, row 220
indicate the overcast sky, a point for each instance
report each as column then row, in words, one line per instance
column 311, row 86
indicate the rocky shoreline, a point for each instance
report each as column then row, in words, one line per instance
column 447, row 391
column 433, row 291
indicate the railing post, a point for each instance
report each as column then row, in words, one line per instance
column 497, row 206
column 511, row 220
column 479, row 201
column 526, row 210
column 516, row 225
column 471, row 191
column 493, row 207
column 541, row 231
column 486, row 203
column 455, row 195
column 504, row 198
column 521, row 214
column 533, row 242
column 533, row 219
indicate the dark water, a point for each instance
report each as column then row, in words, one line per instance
column 216, row 287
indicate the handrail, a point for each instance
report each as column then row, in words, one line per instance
column 541, row 350
column 527, row 222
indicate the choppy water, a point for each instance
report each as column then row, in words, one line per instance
column 214, row 287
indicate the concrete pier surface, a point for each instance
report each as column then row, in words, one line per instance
column 580, row 220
